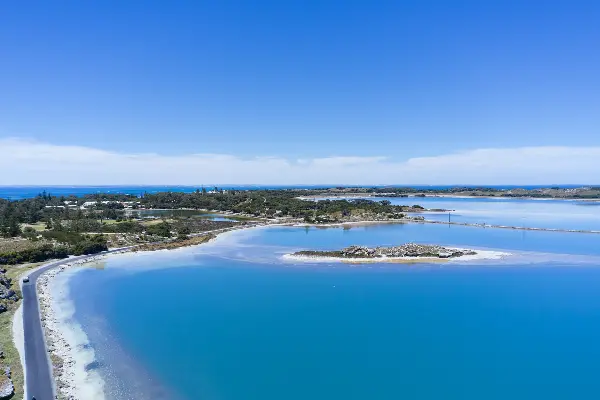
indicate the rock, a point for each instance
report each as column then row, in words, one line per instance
column 8, row 294
column 405, row 250
column 5, row 281
column 8, row 372
column 7, row 389
column 5, row 294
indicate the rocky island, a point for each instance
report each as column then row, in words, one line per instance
column 408, row 251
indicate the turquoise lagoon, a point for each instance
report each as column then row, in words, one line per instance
column 231, row 320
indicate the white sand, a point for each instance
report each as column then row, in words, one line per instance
column 481, row 255
column 65, row 338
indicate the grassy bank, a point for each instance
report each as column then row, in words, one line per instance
column 192, row 241
column 11, row 355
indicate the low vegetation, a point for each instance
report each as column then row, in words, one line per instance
column 9, row 356
column 181, row 242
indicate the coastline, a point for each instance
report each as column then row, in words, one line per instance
column 354, row 223
column 65, row 342
column 355, row 196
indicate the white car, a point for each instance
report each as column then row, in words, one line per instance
column 26, row 279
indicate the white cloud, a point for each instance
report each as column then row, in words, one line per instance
column 25, row 162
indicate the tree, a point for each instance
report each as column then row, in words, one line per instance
column 161, row 229
column 183, row 230
column 14, row 229
column 29, row 233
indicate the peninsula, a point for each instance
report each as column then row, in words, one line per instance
column 555, row 192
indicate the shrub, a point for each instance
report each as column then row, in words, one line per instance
column 42, row 253
column 161, row 229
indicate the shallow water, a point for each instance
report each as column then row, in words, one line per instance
column 231, row 320
column 530, row 213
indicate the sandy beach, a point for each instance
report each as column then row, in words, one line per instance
column 65, row 340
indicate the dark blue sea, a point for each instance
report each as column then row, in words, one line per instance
column 233, row 320
column 23, row 192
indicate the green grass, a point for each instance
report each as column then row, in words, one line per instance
column 19, row 244
column 39, row 226
column 156, row 221
column 11, row 355
column 111, row 222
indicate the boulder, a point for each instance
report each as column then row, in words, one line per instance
column 8, row 294
column 5, row 281
column 7, row 389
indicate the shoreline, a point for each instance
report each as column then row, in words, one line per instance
column 440, row 195
column 72, row 375
column 65, row 341
column 356, row 223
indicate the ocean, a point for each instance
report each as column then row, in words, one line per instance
column 24, row 192
column 232, row 320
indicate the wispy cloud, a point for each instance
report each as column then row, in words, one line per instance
column 24, row 162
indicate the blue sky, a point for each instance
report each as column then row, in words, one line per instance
column 374, row 81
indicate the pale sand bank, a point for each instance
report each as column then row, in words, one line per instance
column 65, row 338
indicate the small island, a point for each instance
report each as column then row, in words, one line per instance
column 408, row 251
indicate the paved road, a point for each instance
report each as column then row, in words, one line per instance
column 40, row 383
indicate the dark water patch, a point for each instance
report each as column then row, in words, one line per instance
column 94, row 365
